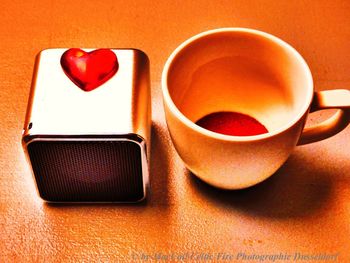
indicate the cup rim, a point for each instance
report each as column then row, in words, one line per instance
column 168, row 100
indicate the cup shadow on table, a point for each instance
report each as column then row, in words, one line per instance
column 298, row 189
column 159, row 171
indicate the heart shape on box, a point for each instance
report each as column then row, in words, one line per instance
column 89, row 70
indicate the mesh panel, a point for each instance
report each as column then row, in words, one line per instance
column 83, row 171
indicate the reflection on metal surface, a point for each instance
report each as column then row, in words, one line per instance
column 119, row 110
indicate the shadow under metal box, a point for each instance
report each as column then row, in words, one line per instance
column 89, row 145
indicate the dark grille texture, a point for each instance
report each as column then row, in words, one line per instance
column 87, row 171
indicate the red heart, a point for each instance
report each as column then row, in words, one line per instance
column 88, row 70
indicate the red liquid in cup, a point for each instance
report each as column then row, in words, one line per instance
column 232, row 123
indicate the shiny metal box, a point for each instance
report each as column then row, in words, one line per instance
column 89, row 146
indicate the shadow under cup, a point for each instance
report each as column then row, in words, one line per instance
column 236, row 70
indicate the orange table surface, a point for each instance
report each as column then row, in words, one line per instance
column 304, row 208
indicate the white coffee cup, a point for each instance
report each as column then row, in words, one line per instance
column 251, row 72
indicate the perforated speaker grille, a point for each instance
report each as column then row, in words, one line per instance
column 87, row 171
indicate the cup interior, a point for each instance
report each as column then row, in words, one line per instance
column 239, row 70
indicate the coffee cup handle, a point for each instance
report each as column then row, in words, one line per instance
column 328, row 99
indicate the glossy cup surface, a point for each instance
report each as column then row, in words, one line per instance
column 240, row 70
